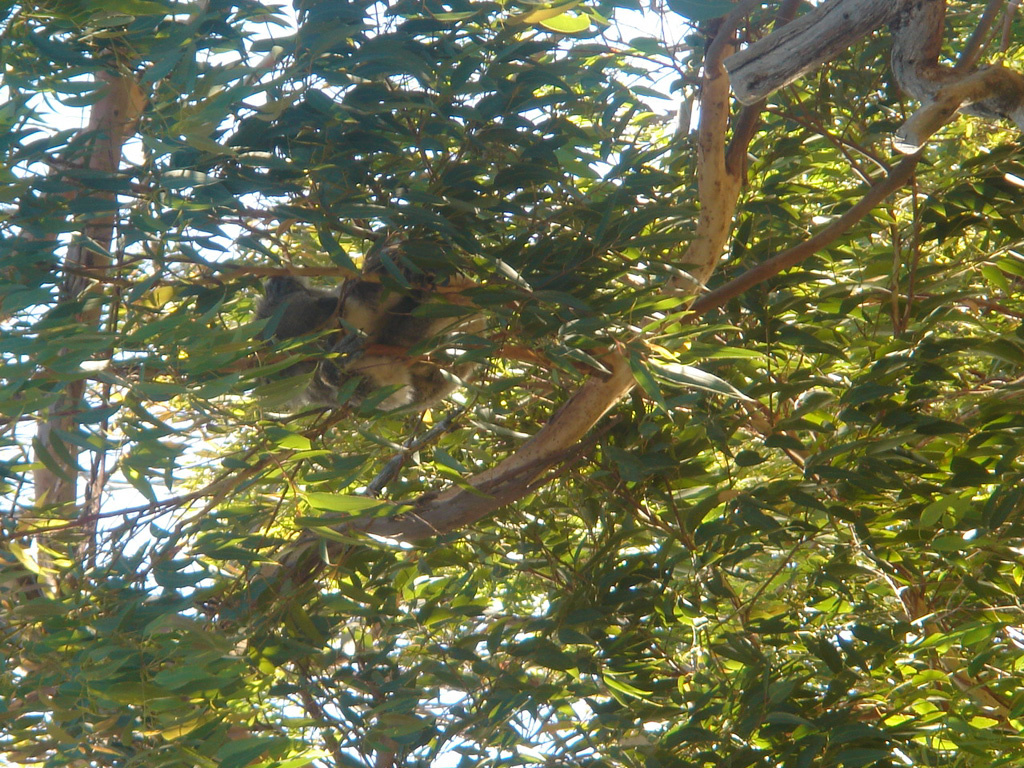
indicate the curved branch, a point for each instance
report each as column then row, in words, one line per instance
column 718, row 182
column 480, row 495
column 514, row 477
column 994, row 93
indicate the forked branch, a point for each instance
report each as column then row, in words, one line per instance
column 993, row 92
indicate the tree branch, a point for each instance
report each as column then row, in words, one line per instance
column 111, row 121
column 493, row 488
column 818, row 36
column 718, row 184
column 970, row 53
column 992, row 93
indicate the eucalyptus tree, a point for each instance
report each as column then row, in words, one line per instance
column 737, row 477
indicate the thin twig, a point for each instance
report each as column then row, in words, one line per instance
column 971, row 52
column 413, row 444
column 1011, row 11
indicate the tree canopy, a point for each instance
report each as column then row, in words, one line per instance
column 738, row 480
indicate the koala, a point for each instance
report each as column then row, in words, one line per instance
column 370, row 333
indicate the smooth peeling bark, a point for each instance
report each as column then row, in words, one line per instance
column 992, row 93
column 791, row 51
column 514, row 477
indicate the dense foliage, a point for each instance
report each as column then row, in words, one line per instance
column 797, row 542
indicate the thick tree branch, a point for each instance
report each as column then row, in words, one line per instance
column 111, row 121
column 718, row 183
column 992, row 93
column 512, row 478
column 793, row 50
column 480, row 495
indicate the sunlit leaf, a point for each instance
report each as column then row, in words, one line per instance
column 567, row 23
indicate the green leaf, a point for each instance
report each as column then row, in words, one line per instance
column 629, row 691
column 544, row 14
column 694, row 377
column 567, row 23
column 240, row 753
column 646, row 381
column 953, row 504
column 701, row 10
column 336, row 502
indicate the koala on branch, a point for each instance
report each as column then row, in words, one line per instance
column 372, row 345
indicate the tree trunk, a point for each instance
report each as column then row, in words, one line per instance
column 111, row 121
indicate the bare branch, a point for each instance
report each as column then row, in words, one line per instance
column 1011, row 11
column 749, row 118
column 993, row 93
column 718, row 185
column 793, row 50
column 972, row 51
column 111, row 121
column 512, row 478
